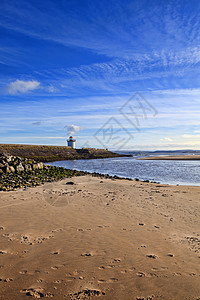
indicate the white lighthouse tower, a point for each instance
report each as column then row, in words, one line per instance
column 71, row 142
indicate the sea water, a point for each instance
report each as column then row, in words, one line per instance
column 174, row 172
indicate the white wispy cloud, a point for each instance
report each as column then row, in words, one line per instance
column 51, row 89
column 166, row 139
column 72, row 129
column 21, row 86
column 179, row 92
column 116, row 75
column 139, row 45
column 121, row 36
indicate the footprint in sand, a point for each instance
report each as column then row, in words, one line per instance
column 176, row 274
column 31, row 272
column 153, row 256
column 141, row 274
column 58, row 281
column 116, row 260
column 56, row 230
column 170, row 255
column 23, row 272
column 6, row 279
column 57, row 267
column 145, row 298
column 70, row 278
column 87, row 229
column 55, row 252
column 164, row 268
column 106, row 267
column 192, row 274
column 110, row 280
column 152, row 275
column 103, row 226
column 3, row 251
column 87, row 254
column 124, row 271
column 2, row 228
column 128, row 270
column 101, row 281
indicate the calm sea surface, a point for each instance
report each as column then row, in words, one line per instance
column 163, row 171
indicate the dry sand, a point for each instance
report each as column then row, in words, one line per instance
column 100, row 238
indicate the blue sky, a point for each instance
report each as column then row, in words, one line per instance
column 68, row 67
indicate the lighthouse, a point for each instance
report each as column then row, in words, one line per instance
column 71, row 142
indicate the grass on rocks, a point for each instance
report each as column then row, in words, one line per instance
column 12, row 181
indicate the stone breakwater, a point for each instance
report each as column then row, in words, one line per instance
column 55, row 153
column 17, row 172
column 14, row 164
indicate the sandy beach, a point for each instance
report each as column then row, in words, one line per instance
column 100, row 238
column 172, row 157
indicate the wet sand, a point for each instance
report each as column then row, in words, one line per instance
column 175, row 157
column 100, row 239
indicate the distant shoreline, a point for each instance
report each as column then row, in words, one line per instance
column 175, row 157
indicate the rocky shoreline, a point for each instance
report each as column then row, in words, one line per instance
column 17, row 172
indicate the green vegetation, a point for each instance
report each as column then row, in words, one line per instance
column 13, row 181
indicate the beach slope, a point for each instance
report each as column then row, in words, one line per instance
column 100, row 238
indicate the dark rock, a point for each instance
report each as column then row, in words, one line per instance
column 28, row 167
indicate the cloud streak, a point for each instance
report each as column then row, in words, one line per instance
column 20, row 86
column 86, row 58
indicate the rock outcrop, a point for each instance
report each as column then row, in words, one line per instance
column 16, row 164
column 17, row 172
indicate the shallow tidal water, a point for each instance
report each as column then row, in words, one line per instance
column 163, row 171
